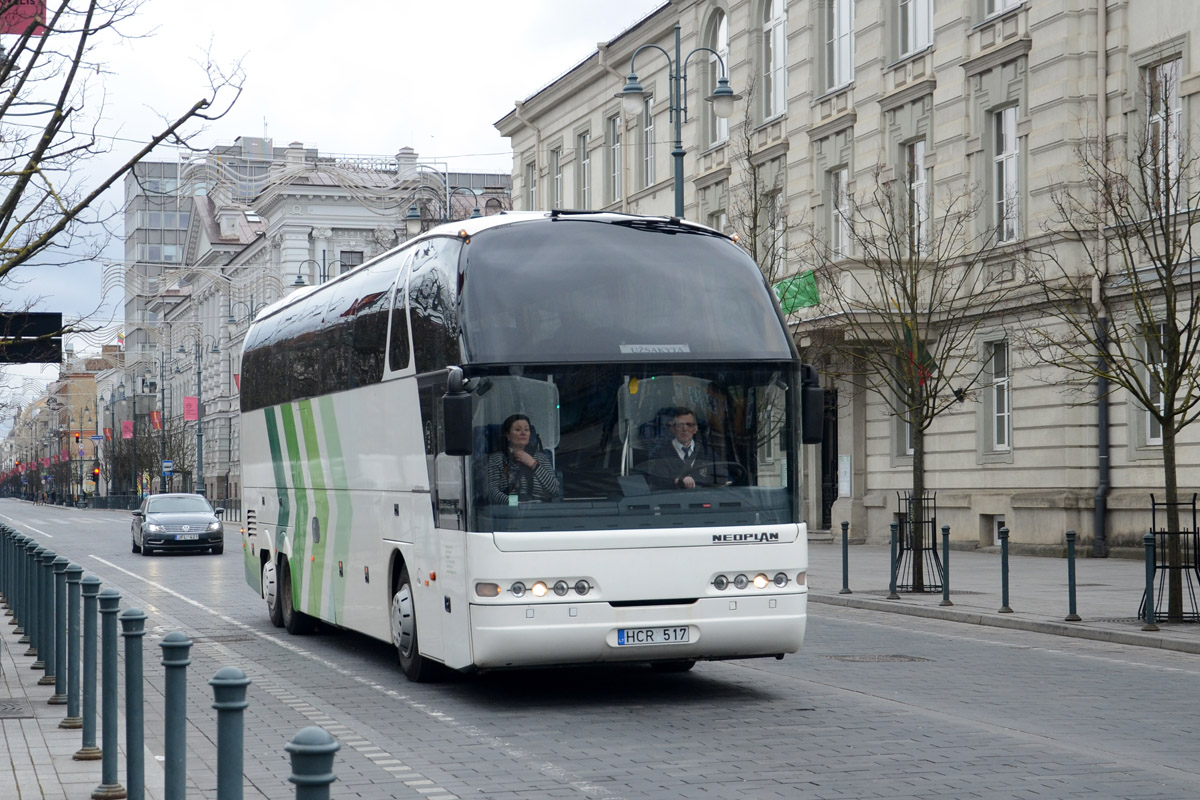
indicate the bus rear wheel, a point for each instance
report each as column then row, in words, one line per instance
column 270, row 584
column 294, row 622
column 404, row 632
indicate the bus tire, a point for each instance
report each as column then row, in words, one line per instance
column 295, row 622
column 404, row 632
column 270, row 584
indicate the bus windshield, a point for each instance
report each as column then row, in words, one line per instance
column 625, row 446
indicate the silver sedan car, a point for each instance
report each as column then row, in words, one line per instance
column 184, row 522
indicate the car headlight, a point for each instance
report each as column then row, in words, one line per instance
column 154, row 527
column 214, row 527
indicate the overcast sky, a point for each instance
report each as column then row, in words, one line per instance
column 365, row 77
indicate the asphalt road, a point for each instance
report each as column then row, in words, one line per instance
column 876, row 705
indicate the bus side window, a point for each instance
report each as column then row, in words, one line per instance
column 398, row 346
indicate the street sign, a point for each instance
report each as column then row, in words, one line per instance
column 168, row 467
column 98, row 438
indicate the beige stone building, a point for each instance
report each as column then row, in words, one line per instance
column 984, row 99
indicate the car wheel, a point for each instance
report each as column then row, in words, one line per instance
column 404, row 632
column 218, row 550
column 133, row 543
column 295, row 622
column 270, row 586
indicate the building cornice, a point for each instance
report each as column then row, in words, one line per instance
column 902, row 97
column 990, row 59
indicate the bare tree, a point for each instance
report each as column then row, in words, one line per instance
column 1121, row 282
column 758, row 208
column 905, row 290
column 51, row 137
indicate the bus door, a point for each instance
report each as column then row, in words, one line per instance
column 441, row 591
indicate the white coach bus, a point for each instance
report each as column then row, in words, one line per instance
column 473, row 446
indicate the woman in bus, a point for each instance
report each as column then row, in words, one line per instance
column 523, row 471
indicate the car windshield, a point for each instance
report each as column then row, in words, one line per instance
column 177, row 505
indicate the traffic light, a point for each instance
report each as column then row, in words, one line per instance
column 76, row 438
column 95, row 473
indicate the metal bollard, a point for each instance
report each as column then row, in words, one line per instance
column 1071, row 615
column 90, row 589
column 229, row 699
column 845, row 558
column 312, row 750
column 34, row 593
column 175, row 646
column 1004, row 609
column 59, row 567
column 946, row 566
column 74, row 573
column 895, row 544
column 18, row 569
column 109, row 788
column 46, row 629
column 1151, row 618
column 133, row 628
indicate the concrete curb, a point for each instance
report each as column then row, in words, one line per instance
column 1011, row 621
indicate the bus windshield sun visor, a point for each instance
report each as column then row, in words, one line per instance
column 576, row 290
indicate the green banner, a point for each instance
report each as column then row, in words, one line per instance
column 797, row 291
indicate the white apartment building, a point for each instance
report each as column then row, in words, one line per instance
column 983, row 98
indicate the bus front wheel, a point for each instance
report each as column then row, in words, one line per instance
column 294, row 622
column 404, row 632
column 270, row 583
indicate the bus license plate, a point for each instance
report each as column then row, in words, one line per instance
column 186, row 536
column 636, row 636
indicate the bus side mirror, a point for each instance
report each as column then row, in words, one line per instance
column 456, row 423
column 812, row 407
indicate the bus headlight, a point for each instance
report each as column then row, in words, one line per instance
column 760, row 581
column 582, row 587
column 800, row 578
column 487, row 589
column 720, row 583
column 518, row 589
column 781, row 579
column 561, row 588
column 741, row 582
column 539, row 589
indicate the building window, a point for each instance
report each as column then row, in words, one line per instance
column 1001, row 397
column 556, row 177
column 1162, row 134
column 917, row 178
column 531, row 188
column 614, row 158
column 839, row 43
column 350, row 259
column 647, row 142
column 1156, row 365
column 839, row 213
column 718, row 221
column 774, row 58
column 583, row 178
column 1006, row 186
column 1000, row 6
column 914, row 26
column 718, row 129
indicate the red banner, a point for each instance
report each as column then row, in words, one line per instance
column 126, row 429
column 108, row 434
column 191, row 408
column 22, row 12
column 156, row 420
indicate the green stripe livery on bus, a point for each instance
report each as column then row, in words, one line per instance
column 533, row 439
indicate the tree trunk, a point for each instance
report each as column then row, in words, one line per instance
column 1174, row 556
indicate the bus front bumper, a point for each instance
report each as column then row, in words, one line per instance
column 541, row 634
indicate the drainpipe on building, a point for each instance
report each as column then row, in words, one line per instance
column 1099, row 538
column 602, row 52
column 537, row 149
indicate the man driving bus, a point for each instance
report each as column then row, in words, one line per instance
column 684, row 462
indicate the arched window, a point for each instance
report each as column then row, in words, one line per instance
column 718, row 39
column 774, row 58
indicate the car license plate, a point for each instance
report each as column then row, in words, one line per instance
column 180, row 537
column 638, row 636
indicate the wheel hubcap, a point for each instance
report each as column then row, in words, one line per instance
column 403, row 623
column 270, row 585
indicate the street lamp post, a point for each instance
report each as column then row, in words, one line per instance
column 722, row 99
